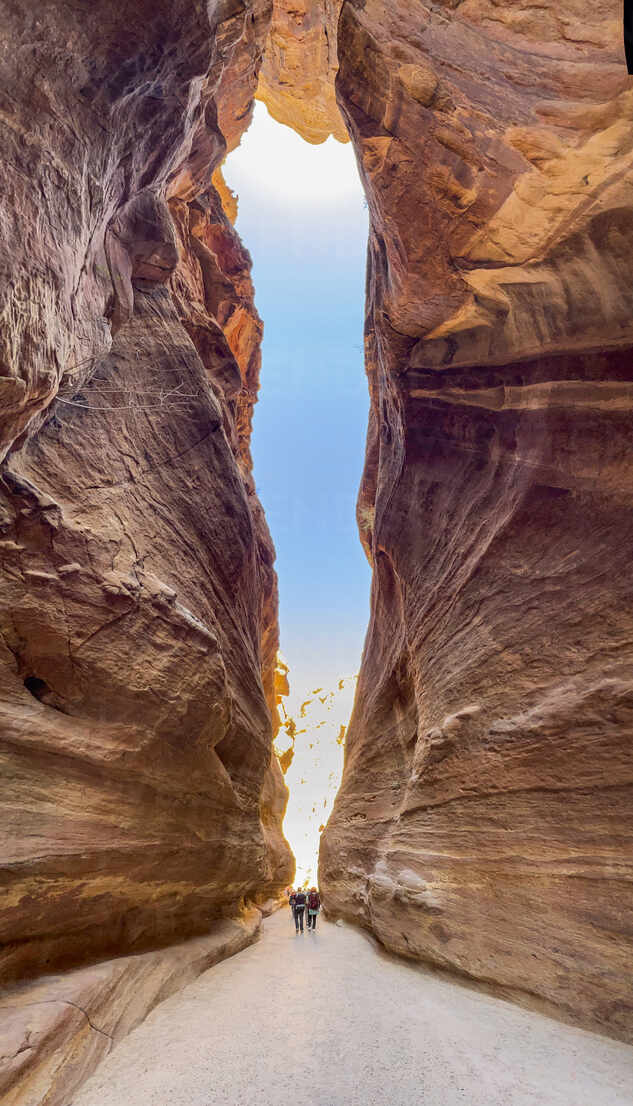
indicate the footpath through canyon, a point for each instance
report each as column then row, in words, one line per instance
column 326, row 1019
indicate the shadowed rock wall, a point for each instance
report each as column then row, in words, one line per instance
column 138, row 611
column 485, row 817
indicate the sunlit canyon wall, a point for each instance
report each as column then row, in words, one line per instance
column 138, row 610
column 485, row 817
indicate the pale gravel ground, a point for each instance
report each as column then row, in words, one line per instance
column 324, row 1020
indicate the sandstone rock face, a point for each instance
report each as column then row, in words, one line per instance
column 54, row 1032
column 485, row 817
column 138, row 612
column 296, row 80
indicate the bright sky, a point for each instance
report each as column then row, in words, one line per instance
column 315, row 772
column 301, row 215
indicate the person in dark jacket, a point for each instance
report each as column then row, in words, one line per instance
column 292, row 898
column 300, row 908
column 314, row 905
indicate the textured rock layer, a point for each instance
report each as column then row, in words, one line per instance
column 54, row 1032
column 296, row 80
column 138, row 608
column 485, row 817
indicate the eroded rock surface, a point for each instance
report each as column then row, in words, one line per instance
column 55, row 1031
column 296, row 81
column 138, row 613
column 485, row 817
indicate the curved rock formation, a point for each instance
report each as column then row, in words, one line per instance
column 138, row 614
column 485, row 817
column 55, row 1031
column 296, row 80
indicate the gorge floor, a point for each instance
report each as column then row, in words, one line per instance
column 325, row 1020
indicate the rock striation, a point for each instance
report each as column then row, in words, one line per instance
column 55, row 1031
column 485, row 817
column 138, row 609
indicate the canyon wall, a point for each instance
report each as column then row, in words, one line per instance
column 485, row 817
column 138, row 611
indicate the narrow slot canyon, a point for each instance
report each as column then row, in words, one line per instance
column 187, row 193
column 301, row 209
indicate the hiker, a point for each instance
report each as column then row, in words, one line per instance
column 314, row 905
column 300, row 906
column 292, row 901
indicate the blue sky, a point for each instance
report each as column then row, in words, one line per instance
column 302, row 217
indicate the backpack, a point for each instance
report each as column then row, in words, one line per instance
column 314, row 901
column 300, row 899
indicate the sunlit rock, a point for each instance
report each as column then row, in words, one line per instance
column 296, row 81
column 310, row 744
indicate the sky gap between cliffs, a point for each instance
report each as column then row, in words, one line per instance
column 302, row 214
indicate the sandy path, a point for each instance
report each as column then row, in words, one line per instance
column 324, row 1020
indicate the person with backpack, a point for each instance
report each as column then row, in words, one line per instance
column 300, row 906
column 292, row 901
column 314, row 905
